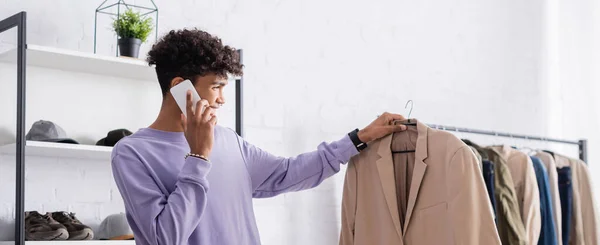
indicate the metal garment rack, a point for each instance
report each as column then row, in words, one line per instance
column 581, row 143
column 19, row 21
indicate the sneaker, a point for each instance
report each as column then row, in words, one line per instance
column 77, row 230
column 40, row 227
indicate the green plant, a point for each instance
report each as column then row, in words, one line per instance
column 132, row 24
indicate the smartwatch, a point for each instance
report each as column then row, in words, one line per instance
column 356, row 141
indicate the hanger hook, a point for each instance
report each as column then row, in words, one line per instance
column 411, row 107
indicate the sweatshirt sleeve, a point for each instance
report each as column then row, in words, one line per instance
column 158, row 217
column 272, row 175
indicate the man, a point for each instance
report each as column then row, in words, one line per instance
column 189, row 181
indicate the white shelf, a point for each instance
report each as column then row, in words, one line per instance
column 90, row 242
column 75, row 61
column 49, row 149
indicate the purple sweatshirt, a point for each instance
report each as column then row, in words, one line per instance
column 170, row 200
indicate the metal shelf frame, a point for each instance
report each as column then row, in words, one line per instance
column 19, row 21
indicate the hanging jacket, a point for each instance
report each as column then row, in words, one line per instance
column 447, row 199
column 523, row 174
column 548, row 161
column 508, row 214
column 584, row 228
column 547, row 231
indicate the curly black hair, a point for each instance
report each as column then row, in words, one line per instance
column 190, row 54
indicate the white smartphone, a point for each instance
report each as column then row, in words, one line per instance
column 179, row 92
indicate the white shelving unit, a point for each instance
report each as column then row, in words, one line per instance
column 76, row 61
column 91, row 242
column 50, row 149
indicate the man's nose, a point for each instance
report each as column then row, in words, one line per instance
column 221, row 100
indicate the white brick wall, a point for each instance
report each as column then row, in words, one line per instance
column 314, row 71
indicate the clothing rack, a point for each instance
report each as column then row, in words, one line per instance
column 581, row 143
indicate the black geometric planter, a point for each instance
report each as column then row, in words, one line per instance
column 129, row 47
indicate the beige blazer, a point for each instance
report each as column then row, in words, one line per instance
column 589, row 208
column 528, row 194
column 550, row 165
column 447, row 204
column 584, row 222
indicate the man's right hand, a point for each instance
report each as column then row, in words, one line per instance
column 199, row 126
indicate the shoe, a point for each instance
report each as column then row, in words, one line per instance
column 40, row 227
column 77, row 230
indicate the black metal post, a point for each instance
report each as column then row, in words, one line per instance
column 22, row 71
column 18, row 20
column 239, row 105
column 118, row 17
column 583, row 150
column 10, row 22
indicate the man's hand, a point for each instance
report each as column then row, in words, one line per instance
column 382, row 126
column 199, row 126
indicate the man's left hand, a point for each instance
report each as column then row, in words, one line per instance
column 382, row 126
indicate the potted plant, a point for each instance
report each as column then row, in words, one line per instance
column 132, row 29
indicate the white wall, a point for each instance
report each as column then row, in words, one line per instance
column 314, row 71
column 579, row 58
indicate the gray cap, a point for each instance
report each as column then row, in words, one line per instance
column 115, row 227
column 48, row 131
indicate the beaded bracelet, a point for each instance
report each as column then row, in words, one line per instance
column 196, row 155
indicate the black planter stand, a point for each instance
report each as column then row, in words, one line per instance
column 129, row 47
column 114, row 7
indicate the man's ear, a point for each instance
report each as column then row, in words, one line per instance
column 176, row 81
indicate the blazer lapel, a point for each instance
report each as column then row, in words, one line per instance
column 385, row 167
column 418, row 172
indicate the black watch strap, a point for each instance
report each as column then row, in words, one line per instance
column 356, row 141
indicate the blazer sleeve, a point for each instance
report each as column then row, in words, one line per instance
column 469, row 209
column 349, row 204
